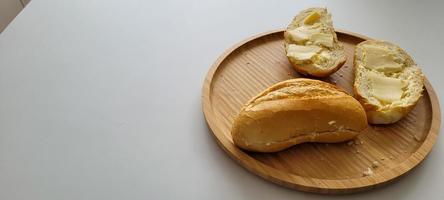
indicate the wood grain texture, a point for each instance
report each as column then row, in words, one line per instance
column 258, row 62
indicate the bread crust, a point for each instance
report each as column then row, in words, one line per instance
column 297, row 111
column 310, row 69
column 374, row 113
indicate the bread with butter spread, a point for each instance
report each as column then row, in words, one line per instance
column 311, row 44
column 388, row 83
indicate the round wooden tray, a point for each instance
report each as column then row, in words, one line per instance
column 259, row 62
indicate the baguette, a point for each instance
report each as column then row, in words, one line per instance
column 388, row 83
column 311, row 43
column 297, row 111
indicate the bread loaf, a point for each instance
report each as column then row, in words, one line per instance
column 296, row 111
column 311, row 43
column 388, row 83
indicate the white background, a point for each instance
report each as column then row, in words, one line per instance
column 101, row 99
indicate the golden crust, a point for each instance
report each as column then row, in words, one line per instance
column 310, row 111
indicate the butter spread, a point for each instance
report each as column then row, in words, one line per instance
column 386, row 89
column 380, row 59
column 312, row 18
column 300, row 52
column 322, row 39
column 303, row 33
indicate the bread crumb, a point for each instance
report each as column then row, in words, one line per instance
column 357, row 151
column 391, row 157
column 375, row 164
column 368, row 172
column 349, row 143
column 417, row 139
column 382, row 158
column 331, row 122
column 362, row 142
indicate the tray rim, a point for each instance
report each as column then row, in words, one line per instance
column 308, row 184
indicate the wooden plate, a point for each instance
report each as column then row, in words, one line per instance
column 259, row 62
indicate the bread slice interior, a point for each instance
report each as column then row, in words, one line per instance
column 387, row 81
column 311, row 43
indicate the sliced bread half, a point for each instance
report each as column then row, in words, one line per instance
column 311, row 43
column 388, row 83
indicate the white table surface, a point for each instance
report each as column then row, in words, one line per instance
column 101, row 99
